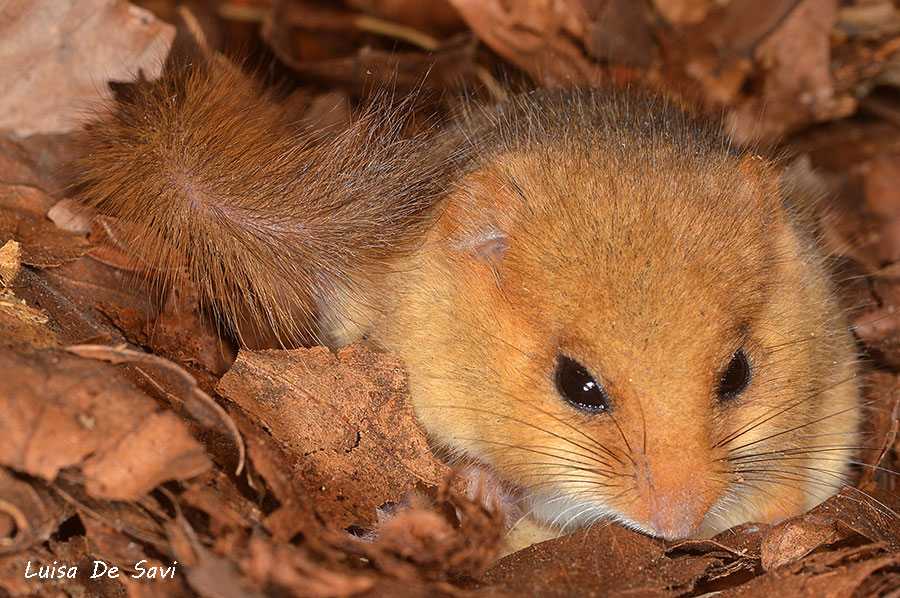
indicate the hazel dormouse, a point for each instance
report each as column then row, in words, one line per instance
column 595, row 295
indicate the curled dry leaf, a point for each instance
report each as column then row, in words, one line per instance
column 797, row 554
column 59, row 411
column 850, row 516
column 344, row 420
column 296, row 33
column 450, row 535
column 796, row 538
column 195, row 402
column 29, row 513
column 71, row 217
column 157, row 450
column 603, row 559
column 823, row 576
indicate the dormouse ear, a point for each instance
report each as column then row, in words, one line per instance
column 489, row 244
column 478, row 216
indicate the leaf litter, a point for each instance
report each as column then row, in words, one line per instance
column 133, row 430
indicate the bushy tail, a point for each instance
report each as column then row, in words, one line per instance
column 203, row 173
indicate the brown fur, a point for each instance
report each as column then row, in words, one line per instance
column 204, row 173
column 609, row 229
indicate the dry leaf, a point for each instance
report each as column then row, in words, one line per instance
column 345, row 420
column 23, row 219
column 537, row 37
column 59, row 411
column 10, row 262
column 55, row 56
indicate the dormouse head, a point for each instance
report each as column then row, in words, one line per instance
column 622, row 315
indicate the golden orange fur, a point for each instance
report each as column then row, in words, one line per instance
column 615, row 232
column 609, row 230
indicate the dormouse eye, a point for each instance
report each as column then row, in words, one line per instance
column 578, row 387
column 736, row 376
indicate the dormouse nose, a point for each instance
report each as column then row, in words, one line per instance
column 673, row 493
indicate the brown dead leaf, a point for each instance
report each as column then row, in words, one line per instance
column 55, row 56
column 108, row 543
column 68, row 297
column 816, row 581
column 295, row 515
column 23, row 218
column 87, row 300
column 795, row 538
column 684, row 12
column 881, row 191
column 168, row 320
column 132, row 519
column 157, row 450
column 217, row 495
column 19, row 166
column 71, row 553
column 615, row 32
column 60, row 411
column 193, row 401
column 797, row 86
column 537, row 37
column 436, row 17
column 70, row 216
column 288, row 567
column 208, row 573
column 297, row 35
column 603, row 559
column 879, row 328
column 22, row 326
column 447, row 535
column 345, row 421
column 742, row 541
column 882, row 391
column 29, row 513
column 873, row 517
column 10, row 262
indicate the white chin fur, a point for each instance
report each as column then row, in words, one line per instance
column 568, row 514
